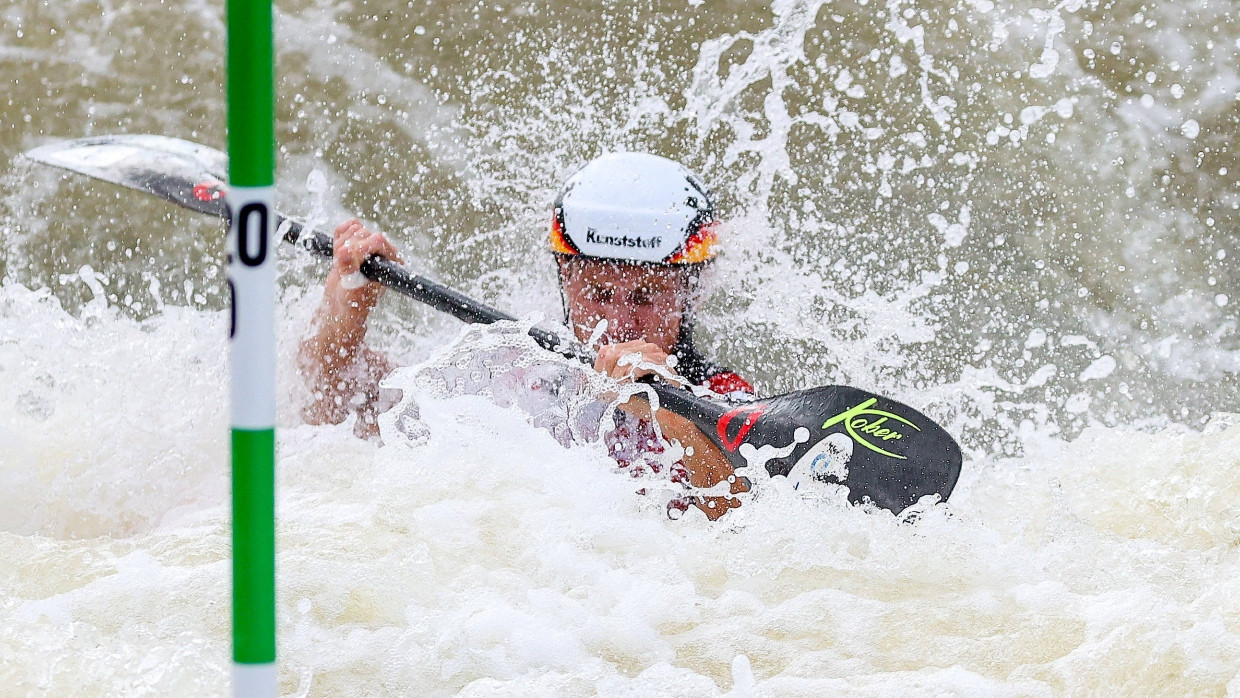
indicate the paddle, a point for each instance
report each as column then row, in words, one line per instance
column 880, row 449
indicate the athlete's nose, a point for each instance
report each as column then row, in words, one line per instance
column 623, row 324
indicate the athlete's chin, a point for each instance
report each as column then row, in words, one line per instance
column 620, row 337
column 608, row 342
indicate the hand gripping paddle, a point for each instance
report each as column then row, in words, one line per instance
column 880, row 449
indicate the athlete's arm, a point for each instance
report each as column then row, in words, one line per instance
column 341, row 372
column 706, row 463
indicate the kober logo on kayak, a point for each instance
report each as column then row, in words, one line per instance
column 861, row 420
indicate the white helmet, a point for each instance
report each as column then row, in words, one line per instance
column 635, row 207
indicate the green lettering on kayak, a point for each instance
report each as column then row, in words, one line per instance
column 861, row 420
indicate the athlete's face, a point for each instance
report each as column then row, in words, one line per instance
column 637, row 301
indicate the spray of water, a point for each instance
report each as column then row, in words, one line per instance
column 1017, row 216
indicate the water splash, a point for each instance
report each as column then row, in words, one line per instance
column 966, row 204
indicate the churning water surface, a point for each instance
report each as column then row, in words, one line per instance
column 1019, row 217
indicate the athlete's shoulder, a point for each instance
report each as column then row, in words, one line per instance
column 728, row 384
column 699, row 370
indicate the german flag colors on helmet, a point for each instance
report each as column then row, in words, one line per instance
column 635, row 207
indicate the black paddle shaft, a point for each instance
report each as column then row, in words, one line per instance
column 438, row 296
column 467, row 309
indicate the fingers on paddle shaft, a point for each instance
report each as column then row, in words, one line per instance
column 880, row 449
column 354, row 242
column 633, row 360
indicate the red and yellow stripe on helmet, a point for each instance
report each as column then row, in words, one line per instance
column 637, row 208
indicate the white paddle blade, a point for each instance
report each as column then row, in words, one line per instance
column 186, row 173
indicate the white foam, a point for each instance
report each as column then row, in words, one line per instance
column 879, row 196
column 485, row 557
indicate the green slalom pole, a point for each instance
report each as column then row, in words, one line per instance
column 252, row 278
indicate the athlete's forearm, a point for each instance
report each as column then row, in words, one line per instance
column 334, row 359
column 706, row 463
column 340, row 324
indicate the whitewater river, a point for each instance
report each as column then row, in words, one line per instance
column 1020, row 217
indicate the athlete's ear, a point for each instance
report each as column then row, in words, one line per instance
column 561, row 267
column 560, row 271
column 693, row 288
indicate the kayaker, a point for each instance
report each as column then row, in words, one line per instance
column 631, row 234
